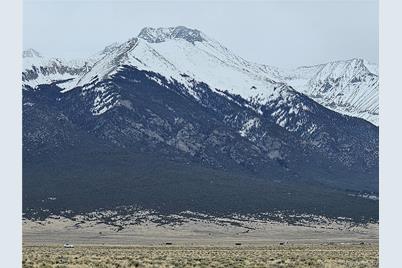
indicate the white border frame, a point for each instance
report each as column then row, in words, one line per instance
column 390, row 132
column 390, row 67
column 11, row 133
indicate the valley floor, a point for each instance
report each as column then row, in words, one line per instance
column 222, row 232
column 198, row 243
column 308, row 255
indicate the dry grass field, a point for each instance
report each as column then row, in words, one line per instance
column 313, row 255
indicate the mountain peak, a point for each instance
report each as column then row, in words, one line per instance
column 354, row 65
column 157, row 35
column 31, row 53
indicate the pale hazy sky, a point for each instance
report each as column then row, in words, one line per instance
column 279, row 33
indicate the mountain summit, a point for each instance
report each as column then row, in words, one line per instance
column 349, row 87
column 157, row 35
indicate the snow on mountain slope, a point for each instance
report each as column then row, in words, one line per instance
column 184, row 54
column 348, row 87
column 188, row 55
column 38, row 70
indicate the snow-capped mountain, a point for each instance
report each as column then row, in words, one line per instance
column 183, row 54
column 41, row 70
column 349, row 87
column 38, row 70
column 175, row 115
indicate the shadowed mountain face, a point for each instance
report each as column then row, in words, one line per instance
column 134, row 137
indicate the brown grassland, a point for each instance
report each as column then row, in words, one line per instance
column 312, row 255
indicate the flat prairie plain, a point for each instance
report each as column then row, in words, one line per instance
column 307, row 255
column 198, row 244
